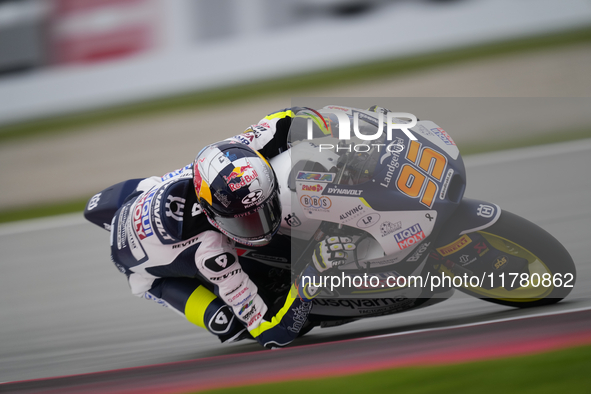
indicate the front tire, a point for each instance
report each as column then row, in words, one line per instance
column 546, row 259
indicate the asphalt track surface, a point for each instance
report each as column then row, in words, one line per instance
column 65, row 310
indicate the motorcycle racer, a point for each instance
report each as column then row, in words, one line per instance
column 174, row 237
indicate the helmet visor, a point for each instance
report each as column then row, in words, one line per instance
column 254, row 225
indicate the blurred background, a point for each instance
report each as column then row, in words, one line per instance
column 152, row 81
column 93, row 92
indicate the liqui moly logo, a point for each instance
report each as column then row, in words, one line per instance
column 344, row 129
column 245, row 175
column 409, row 236
column 141, row 216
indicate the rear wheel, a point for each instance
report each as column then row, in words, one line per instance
column 546, row 272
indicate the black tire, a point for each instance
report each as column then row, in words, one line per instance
column 516, row 235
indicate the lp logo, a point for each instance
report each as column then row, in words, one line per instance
column 368, row 220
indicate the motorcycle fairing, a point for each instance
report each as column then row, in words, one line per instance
column 470, row 216
column 397, row 232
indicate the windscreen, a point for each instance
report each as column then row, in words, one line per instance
column 354, row 160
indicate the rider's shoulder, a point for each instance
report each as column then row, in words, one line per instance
column 159, row 212
column 181, row 172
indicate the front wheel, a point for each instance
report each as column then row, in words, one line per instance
column 519, row 264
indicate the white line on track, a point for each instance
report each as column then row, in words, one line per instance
column 470, row 161
column 42, row 224
column 476, row 324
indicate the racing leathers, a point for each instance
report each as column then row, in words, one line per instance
column 164, row 244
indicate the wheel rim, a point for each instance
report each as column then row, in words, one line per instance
column 535, row 265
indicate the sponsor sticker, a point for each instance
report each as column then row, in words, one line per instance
column 394, row 164
column 93, row 203
column 252, row 198
column 409, row 236
column 141, row 216
column 292, row 220
column 316, row 203
column 454, row 246
column 362, row 305
column 174, row 207
column 485, row 211
column 315, row 176
column 481, row 248
column 172, row 174
column 245, row 307
column 443, row 136
column 300, row 315
column 417, row 255
column 222, row 198
column 368, row 220
column 445, row 185
column 244, row 175
column 352, row 213
column 337, row 191
column 387, row 227
column 312, row 188
column 422, row 130
column 157, row 219
column 500, row 262
column 254, row 319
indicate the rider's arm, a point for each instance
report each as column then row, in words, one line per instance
column 271, row 325
column 269, row 136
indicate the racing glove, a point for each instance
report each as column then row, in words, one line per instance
column 331, row 252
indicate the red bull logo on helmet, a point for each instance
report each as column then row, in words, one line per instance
column 245, row 175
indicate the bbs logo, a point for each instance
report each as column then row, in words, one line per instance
column 252, row 198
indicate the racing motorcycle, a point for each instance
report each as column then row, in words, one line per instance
column 399, row 197
column 398, row 194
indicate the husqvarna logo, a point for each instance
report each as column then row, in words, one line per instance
column 174, row 207
column 485, row 211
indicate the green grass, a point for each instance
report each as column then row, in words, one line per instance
column 291, row 85
column 563, row 371
column 73, row 123
column 36, row 211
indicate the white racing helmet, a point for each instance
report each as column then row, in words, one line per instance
column 238, row 192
